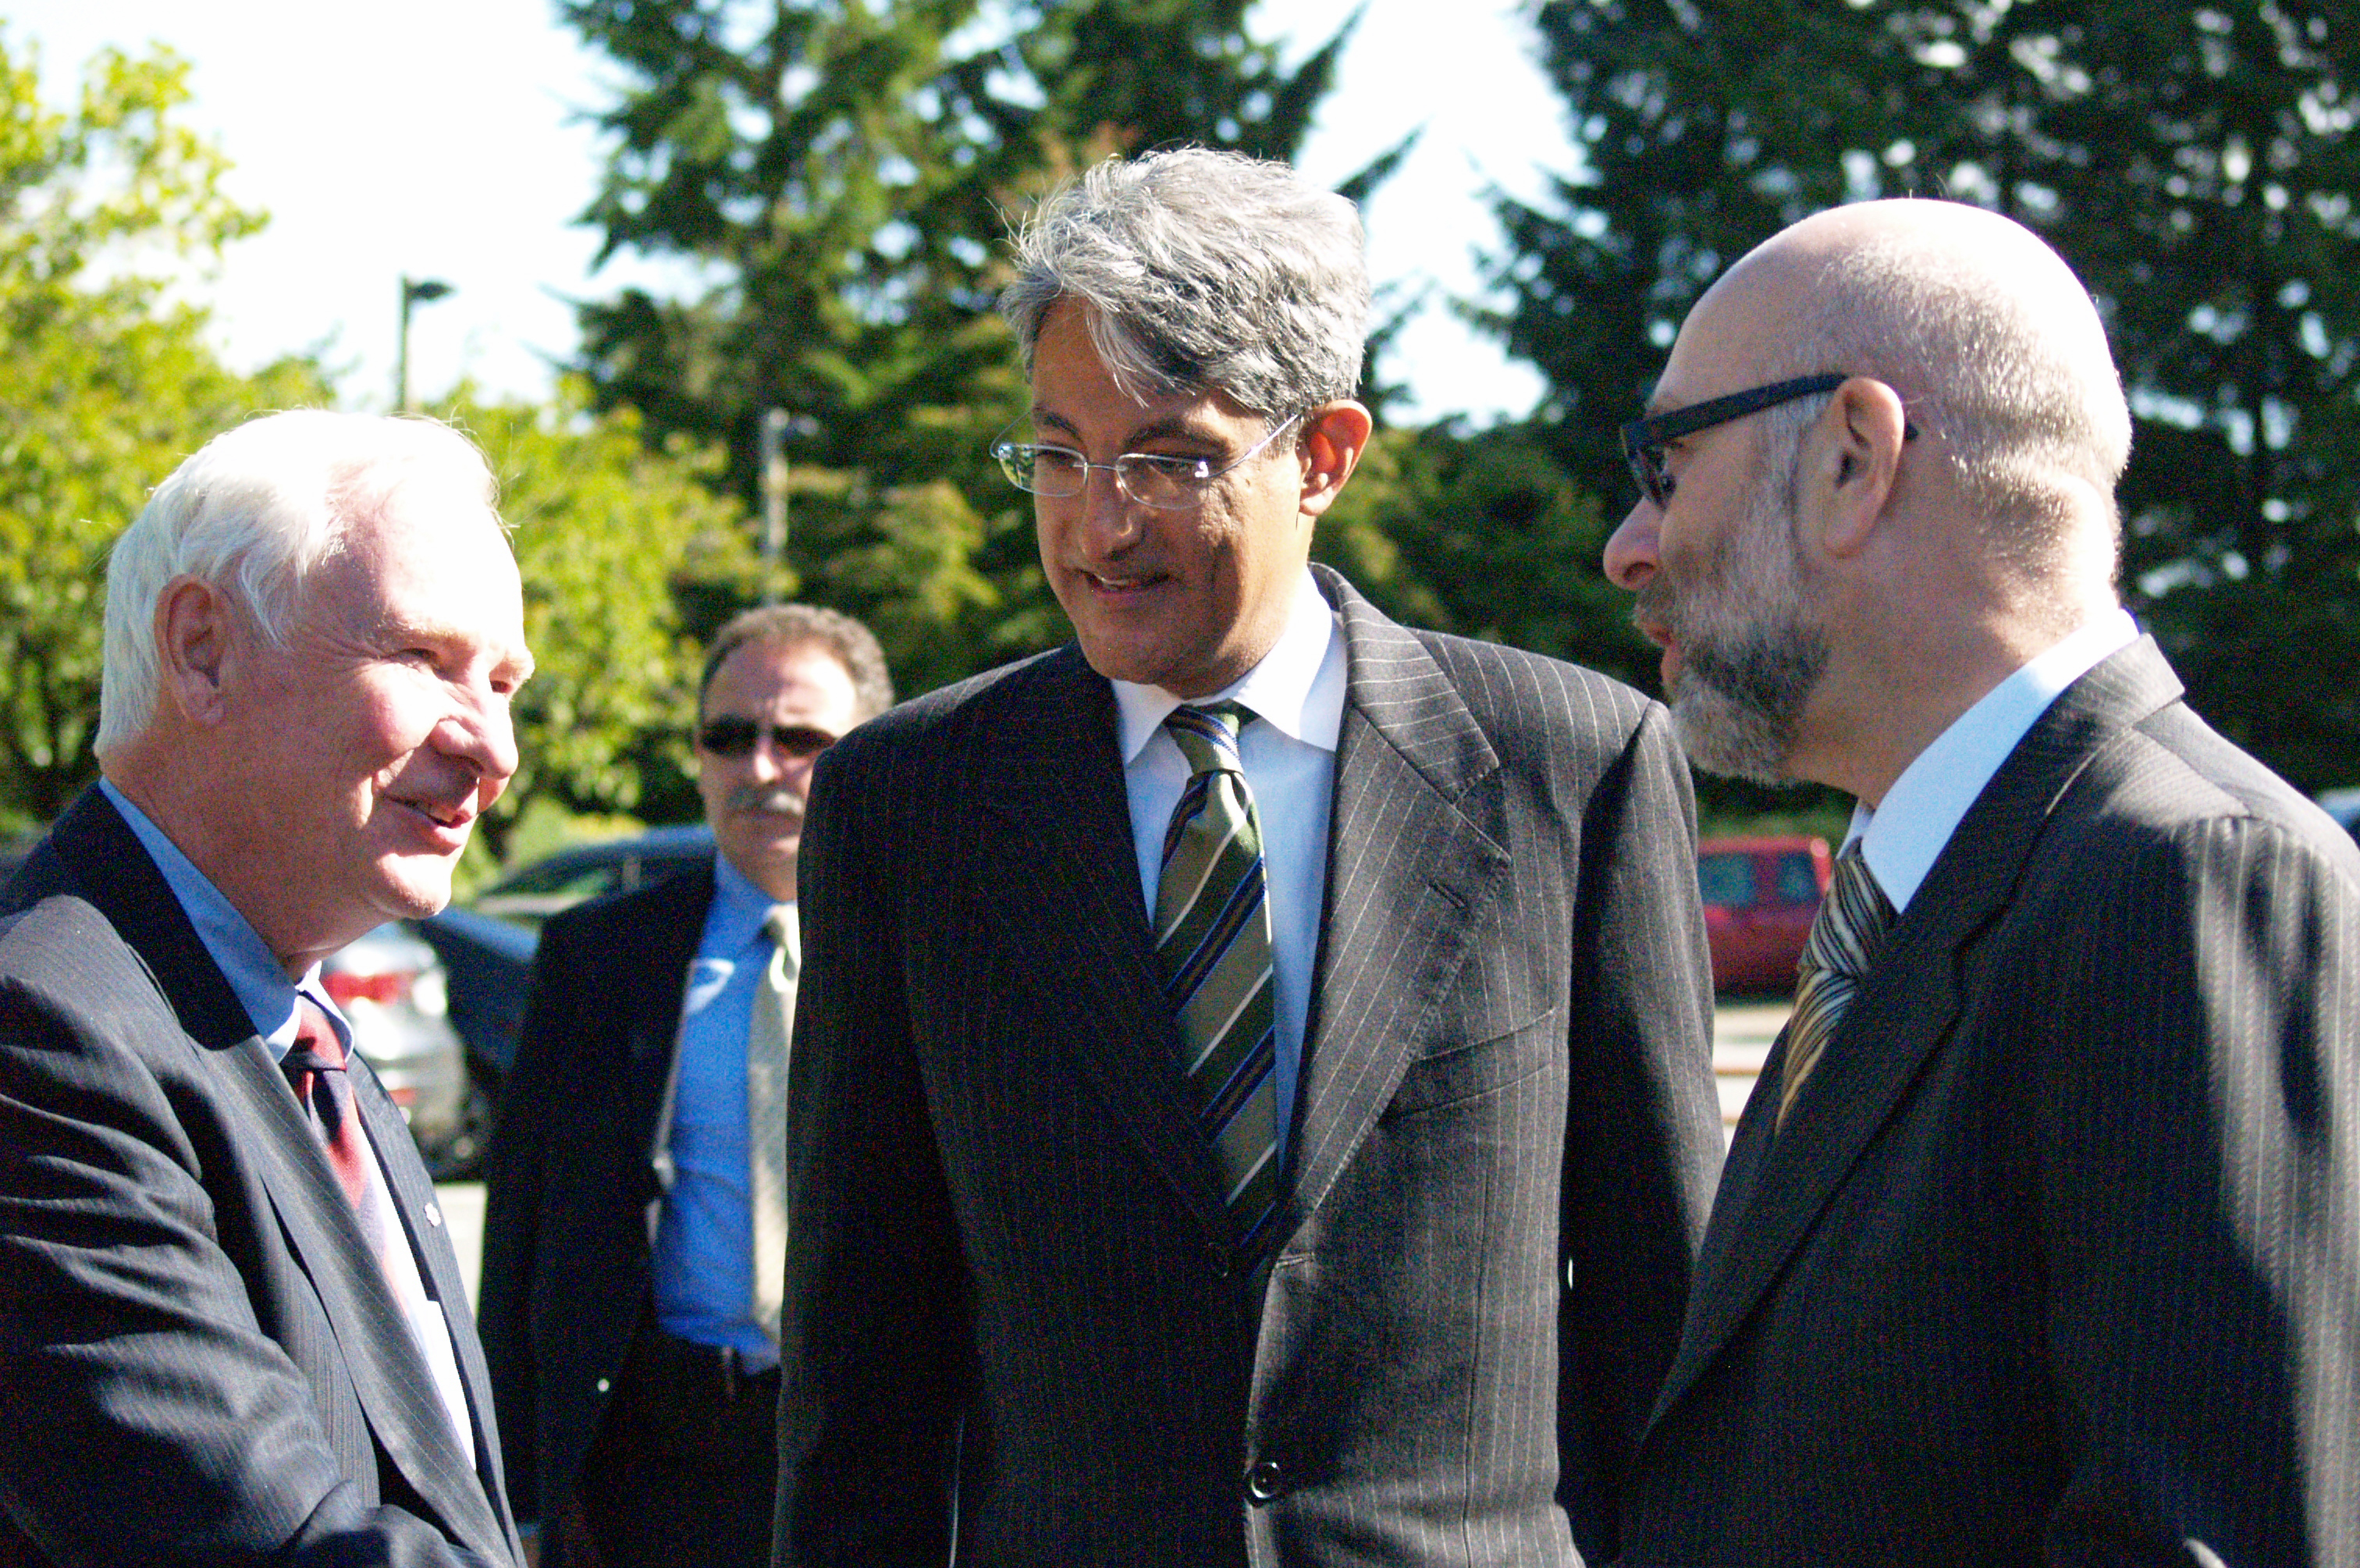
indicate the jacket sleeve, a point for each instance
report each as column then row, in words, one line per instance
column 1643, row 1140
column 874, row 1332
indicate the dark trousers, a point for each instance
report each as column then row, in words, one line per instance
column 685, row 1469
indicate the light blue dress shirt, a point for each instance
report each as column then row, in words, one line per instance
column 704, row 1241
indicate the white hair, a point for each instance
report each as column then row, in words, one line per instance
column 1202, row 272
column 252, row 512
column 1995, row 345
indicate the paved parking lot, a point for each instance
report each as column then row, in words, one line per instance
column 1742, row 1035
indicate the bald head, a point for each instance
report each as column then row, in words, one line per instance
column 1985, row 332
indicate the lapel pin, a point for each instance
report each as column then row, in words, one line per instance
column 433, row 1215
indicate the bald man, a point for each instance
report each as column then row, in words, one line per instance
column 2037, row 1243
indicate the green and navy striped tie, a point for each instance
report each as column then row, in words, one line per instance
column 1212, row 940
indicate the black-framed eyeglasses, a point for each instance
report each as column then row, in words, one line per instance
column 1150, row 478
column 731, row 736
column 1643, row 440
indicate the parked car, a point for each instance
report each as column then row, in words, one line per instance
column 1759, row 897
column 583, row 872
column 486, row 945
column 394, row 991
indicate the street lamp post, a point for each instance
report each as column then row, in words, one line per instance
column 776, row 424
column 422, row 290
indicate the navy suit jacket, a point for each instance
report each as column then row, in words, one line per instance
column 1010, row 1274
column 200, row 1362
column 2057, row 1259
column 576, row 1174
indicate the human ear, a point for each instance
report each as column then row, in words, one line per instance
column 192, row 646
column 1858, row 444
column 1334, row 436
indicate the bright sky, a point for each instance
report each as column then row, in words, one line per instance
column 442, row 138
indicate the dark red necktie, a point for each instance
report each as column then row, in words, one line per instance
column 315, row 1066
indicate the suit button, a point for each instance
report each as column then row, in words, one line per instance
column 1216, row 1258
column 1262, row 1482
column 603, row 1385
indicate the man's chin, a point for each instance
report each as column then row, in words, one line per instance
column 1724, row 736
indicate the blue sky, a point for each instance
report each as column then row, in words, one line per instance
column 444, row 138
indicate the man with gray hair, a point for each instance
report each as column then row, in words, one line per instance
column 1250, row 1099
column 635, row 1191
column 231, row 1327
column 2039, row 1241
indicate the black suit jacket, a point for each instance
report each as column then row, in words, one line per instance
column 1010, row 1272
column 2058, row 1257
column 199, row 1359
column 575, row 1174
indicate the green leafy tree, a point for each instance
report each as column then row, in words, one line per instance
column 620, row 546
column 109, row 383
column 834, row 182
column 2196, row 164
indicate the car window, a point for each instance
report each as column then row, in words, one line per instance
column 1797, row 882
column 1726, row 879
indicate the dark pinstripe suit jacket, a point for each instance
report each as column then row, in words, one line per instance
column 573, row 1184
column 200, row 1361
column 1011, row 1276
column 2058, row 1257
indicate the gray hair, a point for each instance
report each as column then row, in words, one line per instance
column 252, row 512
column 2009, row 366
column 852, row 645
column 1202, row 272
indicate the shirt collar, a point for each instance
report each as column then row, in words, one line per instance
column 1297, row 688
column 256, row 976
column 738, row 907
column 1903, row 837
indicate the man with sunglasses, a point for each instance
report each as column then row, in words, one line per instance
column 635, row 1212
column 2038, row 1240
column 1251, row 1099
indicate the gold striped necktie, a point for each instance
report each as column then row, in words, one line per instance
column 1212, row 941
column 1845, row 936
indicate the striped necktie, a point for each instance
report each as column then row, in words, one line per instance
column 1845, row 936
column 316, row 1068
column 1212, row 941
column 766, row 1113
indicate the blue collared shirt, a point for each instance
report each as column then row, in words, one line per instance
column 704, row 1242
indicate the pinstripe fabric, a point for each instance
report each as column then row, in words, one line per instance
column 1212, row 942
column 186, row 1298
column 1505, row 1135
column 2059, row 1262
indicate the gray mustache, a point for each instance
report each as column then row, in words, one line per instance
column 756, row 797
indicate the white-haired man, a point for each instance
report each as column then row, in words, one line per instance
column 231, row 1327
column 2038, row 1241
column 1250, row 1099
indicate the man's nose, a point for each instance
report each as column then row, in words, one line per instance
column 1110, row 519
column 1631, row 550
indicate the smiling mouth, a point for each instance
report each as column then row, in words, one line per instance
column 450, row 818
column 1130, row 583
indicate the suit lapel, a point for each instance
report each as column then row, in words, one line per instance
column 1405, row 862
column 389, row 1375
column 651, row 1052
column 1776, row 1186
column 1062, row 882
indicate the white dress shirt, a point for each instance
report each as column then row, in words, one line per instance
column 1297, row 693
column 1902, row 838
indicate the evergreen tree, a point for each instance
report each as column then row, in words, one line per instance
column 2195, row 165
column 836, row 181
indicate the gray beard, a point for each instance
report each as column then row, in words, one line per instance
column 1739, row 700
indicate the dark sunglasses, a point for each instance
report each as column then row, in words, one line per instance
column 734, row 737
column 1643, row 440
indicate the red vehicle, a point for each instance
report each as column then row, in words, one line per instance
column 1759, row 897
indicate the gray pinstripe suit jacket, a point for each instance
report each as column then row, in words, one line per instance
column 200, row 1361
column 1010, row 1278
column 2058, row 1257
